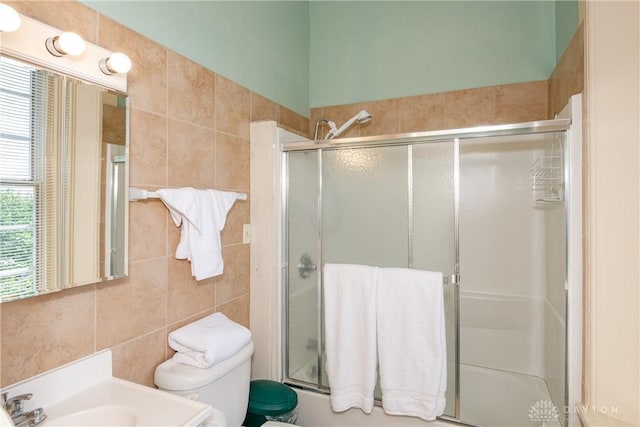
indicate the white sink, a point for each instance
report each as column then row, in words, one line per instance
column 84, row 393
column 100, row 416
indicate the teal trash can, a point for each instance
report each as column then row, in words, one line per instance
column 271, row 401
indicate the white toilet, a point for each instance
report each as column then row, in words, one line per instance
column 224, row 386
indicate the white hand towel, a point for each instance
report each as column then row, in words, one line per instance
column 182, row 204
column 205, row 247
column 208, row 341
column 411, row 342
column 350, row 335
column 202, row 214
column 221, row 203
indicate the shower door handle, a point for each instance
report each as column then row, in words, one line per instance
column 306, row 266
column 452, row 279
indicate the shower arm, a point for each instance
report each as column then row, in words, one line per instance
column 363, row 116
column 335, row 132
column 331, row 124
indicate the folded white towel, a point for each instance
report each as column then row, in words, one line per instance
column 411, row 342
column 350, row 335
column 202, row 214
column 208, row 341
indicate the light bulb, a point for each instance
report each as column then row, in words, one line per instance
column 71, row 43
column 9, row 19
column 67, row 43
column 116, row 63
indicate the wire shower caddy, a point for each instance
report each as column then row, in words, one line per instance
column 547, row 175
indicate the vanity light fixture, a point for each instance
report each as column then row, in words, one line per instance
column 116, row 63
column 67, row 43
column 61, row 52
column 9, row 19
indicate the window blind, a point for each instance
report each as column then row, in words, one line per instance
column 28, row 181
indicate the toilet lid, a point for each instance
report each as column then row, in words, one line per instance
column 173, row 376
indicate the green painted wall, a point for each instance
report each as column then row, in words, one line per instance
column 566, row 24
column 301, row 54
column 368, row 50
column 262, row 45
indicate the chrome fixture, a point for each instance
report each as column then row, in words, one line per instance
column 363, row 116
column 9, row 19
column 331, row 124
column 116, row 63
column 15, row 409
column 67, row 43
column 306, row 266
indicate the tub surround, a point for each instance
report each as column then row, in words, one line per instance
column 189, row 126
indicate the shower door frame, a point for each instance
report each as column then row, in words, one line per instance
column 453, row 136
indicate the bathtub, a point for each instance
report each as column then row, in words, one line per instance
column 502, row 372
column 489, row 397
column 314, row 410
column 502, row 332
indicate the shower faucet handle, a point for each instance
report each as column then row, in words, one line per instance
column 306, row 266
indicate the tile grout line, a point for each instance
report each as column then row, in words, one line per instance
column 215, row 178
column 166, row 177
column 215, row 133
column 95, row 290
column 130, row 340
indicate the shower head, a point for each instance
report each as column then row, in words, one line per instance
column 363, row 116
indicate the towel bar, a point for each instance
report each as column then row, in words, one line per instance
column 136, row 194
column 305, row 266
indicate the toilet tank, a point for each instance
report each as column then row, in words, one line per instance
column 225, row 386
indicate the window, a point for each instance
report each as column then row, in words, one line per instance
column 29, row 150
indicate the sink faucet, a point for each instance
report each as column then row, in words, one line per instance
column 15, row 409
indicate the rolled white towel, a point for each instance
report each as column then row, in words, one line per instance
column 208, row 341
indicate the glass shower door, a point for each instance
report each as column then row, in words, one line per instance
column 386, row 206
column 364, row 208
column 302, row 299
column 434, row 239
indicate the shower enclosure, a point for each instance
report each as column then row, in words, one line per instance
column 496, row 209
column 388, row 206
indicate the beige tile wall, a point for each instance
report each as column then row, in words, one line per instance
column 501, row 104
column 567, row 78
column 189, row 127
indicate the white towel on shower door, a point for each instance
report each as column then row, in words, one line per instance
column 350, row 335
column 411, row 342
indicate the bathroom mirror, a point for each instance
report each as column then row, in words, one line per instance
column 63, row 181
